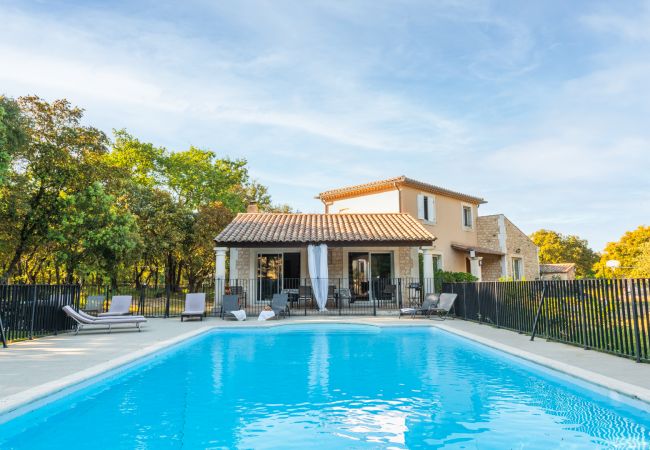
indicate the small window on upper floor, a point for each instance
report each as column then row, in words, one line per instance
column 427, row 208
column 467, row 217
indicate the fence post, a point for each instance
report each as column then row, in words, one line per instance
column 374, row 299
column 168, row 294
column 31, row 325
column 496, row 302
column 399, row 293
column 2, row 333
column 583, row 316
column 478, row 301
column 635, row 318
column 141, row 305
column 338, row 297
column 539, row 311
column 464, row 303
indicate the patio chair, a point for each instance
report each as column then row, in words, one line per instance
column 279, row 305
column 239, row 292
column 331, row 293
column 429, row 304
column 229, row 303
column 305, row 293
column 95, row 303
column 388, row 294
column 120, row 306
column 82, row 320
column 344, row 297
column 444, row 305
column 194, row 306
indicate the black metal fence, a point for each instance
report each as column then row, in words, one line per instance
column 28, row 311
column 612, row 316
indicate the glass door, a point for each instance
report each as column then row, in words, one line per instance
column 370, row 274
column 382, row 275
column 269, row 275
column 359, row 275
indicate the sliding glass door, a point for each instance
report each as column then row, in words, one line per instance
column 277, row 271
column 369, row 273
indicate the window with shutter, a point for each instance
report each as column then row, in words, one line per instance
column 431, row 208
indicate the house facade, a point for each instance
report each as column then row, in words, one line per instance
column 368, row 254
column 373, row 235
column 519, row 258
column 561, row 271
column 489, row 247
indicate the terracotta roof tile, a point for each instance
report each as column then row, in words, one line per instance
column 252, row 229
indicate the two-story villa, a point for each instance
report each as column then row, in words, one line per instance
column 489, row 247
column 368, row 240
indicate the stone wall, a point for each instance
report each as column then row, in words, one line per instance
column 407, row 263
column 519, row 245
column 491, row 268
column 243, row 263
column 335, row 263
column 488, row 232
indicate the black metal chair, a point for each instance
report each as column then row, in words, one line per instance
column 229, row 303
column 305, row 293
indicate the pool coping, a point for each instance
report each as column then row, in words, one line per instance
column 589, row 377
column 30, row 399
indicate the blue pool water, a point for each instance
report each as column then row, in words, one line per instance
column 330, row 386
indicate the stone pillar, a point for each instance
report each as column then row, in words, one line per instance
column 428, row 285
column 219, row 274
column 475, row 265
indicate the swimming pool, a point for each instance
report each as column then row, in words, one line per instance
column 331, row 386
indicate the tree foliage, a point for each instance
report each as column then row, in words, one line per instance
column 556, row 248
column 75, row 206
column 631, row 251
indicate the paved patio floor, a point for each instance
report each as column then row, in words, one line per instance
column 31, row 369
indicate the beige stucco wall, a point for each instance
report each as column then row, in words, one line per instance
column 381, row 202
column 447, row 228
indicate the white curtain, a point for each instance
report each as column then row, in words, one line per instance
column 317, row 261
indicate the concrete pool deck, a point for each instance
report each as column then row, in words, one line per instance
column 32, row 370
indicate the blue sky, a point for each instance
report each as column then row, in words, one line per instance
column 542, row 108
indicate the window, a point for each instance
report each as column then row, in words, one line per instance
column 426, row 208
column 517, row 269
column 437, row 262
column 467, row 216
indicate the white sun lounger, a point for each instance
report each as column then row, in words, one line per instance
column 120, row 306
column 82, row 319
column 194, row 306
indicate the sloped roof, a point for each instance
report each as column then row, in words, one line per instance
column 475, row 248
column 556, row 268
column 382, row 185
column 280, row 229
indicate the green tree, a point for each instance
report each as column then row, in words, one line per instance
column 197, row 177
column 555, row 248
column 92, row 232
column 12, row 132
column 629, row 251
column 60, row 156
